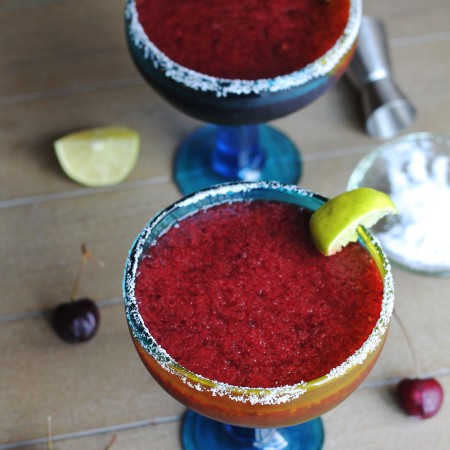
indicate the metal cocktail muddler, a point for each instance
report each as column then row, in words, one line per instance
column 386, row 109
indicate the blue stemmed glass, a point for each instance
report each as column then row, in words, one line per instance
column 238, row 146
column 225, row 417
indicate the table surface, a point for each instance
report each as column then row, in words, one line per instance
column 65, row 67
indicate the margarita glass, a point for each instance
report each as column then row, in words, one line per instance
column 238, row 146
column 253, row 416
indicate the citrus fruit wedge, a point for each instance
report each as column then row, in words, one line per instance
column 335, row 223
column 98, row 156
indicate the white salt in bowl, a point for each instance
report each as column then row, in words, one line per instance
column 414, row 171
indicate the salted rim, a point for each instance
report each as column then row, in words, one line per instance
column 224, row 86
column 252, row 395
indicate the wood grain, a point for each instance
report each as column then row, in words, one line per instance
column 64, row 67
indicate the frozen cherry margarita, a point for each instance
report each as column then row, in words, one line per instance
column 237, row 315
column 238, row 293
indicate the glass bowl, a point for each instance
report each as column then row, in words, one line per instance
column 414, row 170
column 237, row 405
column 236, row 101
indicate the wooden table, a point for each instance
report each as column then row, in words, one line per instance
column 64, row 66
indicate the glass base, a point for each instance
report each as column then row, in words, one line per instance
column 201, row 433
column 193, row 162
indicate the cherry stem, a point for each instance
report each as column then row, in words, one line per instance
column 86, row 255
column 49, row 433
column 111, row 443
column 408, row 342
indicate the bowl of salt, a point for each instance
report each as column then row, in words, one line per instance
column 414, row 170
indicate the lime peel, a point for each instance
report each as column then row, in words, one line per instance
column 335, row 223
column 98, row 156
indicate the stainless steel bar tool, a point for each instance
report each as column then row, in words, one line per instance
column 386, row 109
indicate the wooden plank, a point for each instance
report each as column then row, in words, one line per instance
column 64, row 67
column 410, row 19
column 371, row 419
column 156, row 437
column 29, row 135
column 43, row 248
column 92, row 385
column 64, row 43
column 332, row 124
column 89, row 40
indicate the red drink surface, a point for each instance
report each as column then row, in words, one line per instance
column 239, row 294
column 243, row 39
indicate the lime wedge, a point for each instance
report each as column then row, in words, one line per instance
column 98, row 156
column 335, row 223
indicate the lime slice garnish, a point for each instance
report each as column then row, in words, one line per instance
column 98, row 156
column 335, row 223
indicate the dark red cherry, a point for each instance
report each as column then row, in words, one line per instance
column 420, row 397
column 76, row 321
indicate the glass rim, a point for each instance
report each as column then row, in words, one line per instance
column 254, row 395
column 225, row 86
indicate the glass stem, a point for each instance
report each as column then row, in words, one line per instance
column 258, row 438
column 237, row 154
